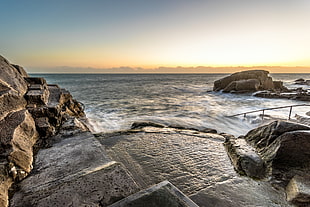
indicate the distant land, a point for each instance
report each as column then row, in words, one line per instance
column 180, row 69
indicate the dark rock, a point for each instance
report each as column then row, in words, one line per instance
column 302, row 81
column 284, row 146
column 21, row 70
column 163, row 194
column 36, row 80
column 139, row 125
column 293, row 94
column 245, row 81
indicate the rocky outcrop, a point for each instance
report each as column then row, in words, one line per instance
column 284, row 146
column 31, row 111
column 302, row 81
column 294, row 94
column 248, row 81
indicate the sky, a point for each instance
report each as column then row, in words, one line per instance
column 46, row 36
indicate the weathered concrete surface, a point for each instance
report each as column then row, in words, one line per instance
column 195, row 162
column 188, row 159
column 163, row 194
column 298, row 190
column 74, row 172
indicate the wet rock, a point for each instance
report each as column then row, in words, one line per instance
column 163, row 194
column 284, row 146
column 195, row 162
column 73, row 172
column 298, row 190
column 302, row 81
column 245, row 81
column 300, row 95
column 139, row 125
column 245, row 159
column 238, row 192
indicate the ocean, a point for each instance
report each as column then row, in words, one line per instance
column 114, row 101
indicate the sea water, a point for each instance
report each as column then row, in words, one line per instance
column 114, row 101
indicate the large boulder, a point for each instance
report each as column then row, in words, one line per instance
column 245, row 81
column 17, row 138
column 10, row 77
column 284, row 146
column 12, row 88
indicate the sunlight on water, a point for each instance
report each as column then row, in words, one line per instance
column 114, row 102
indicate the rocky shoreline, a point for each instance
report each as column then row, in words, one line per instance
column 49, row 157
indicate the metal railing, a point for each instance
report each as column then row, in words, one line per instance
column 266, row 109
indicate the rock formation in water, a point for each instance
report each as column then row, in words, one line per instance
column 259, row 82
column 247, row 81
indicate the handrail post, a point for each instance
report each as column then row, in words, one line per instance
column 263, row 114
column 289, row 116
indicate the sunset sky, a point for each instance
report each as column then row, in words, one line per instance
column 49, row 34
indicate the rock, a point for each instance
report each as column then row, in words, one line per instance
column 298, row 190
column 11, row 78
column 5, row 183
column 74, row 172
column 249, row 85
column 278, row 86
column 10, row 101
column 245, row 81
column 292, row 94
column 163, row 194
column 284, row 146
column 139, row 125
column 21, row 70
column 18, row 135
column 188, row 159
column 302, row 81
column 244, row 158
column 239, row 192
